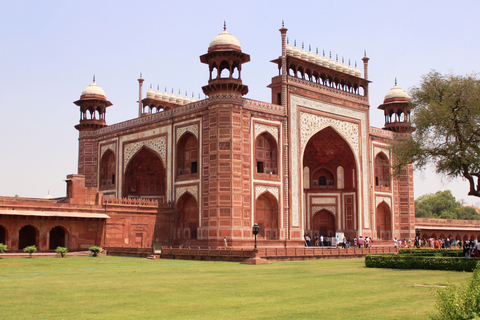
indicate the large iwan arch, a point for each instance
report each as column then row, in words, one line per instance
column 145, row 176
column 332, row 171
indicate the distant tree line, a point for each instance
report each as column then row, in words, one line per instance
column 443, row 205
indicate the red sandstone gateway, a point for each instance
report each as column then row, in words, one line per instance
column 190, row 172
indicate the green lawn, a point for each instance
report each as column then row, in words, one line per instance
column 132, row 288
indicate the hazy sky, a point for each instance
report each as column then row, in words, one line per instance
column 52, row 49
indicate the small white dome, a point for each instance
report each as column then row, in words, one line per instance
column 344, row 68
column 179, row 98
column 311, row 56
column 325, row 61
column 351, row 70
column 318, row 59
column 172, row 97
column 224, row 38
column 396, row 92
column 186, row 100
column 158, row 94
column 296, row 51
column 303, row 54
column 93, row 89
column 358, row 73
column 150, row 93
column 165, row 95
column 289, row 49
column 331, row 63
column 338, row 65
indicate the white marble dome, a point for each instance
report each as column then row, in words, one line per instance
column 93, row 89
column 396, row 92
column 224, row 38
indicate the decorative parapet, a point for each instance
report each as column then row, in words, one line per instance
column 153, row 118
column 136, row 202
column 381, row 133
column 324, row 89
column 264, row 107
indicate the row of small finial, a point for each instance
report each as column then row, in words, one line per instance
column 171, row 97
column 323, row 61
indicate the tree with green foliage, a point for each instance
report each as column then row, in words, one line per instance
column 3, row 248
column 458, row 303
column 30, row 250
column 62, row 251
column 443, row 205
column 447, row 120
column 95, row 250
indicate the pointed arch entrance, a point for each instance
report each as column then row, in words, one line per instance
column 383, row 222
column 324, row 223
column 58, row 238
column 329, row 172
column 145, row 176
column 3, row 235
column 27, row 236
column 266, row 216
column 187, row 217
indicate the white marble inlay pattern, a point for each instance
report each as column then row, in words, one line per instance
column 193, row 190
column 104, row 148
column 387, row 200
column 377, row 150
column 192, row 128
column 259, row 189
column 344, row 128
column 261, row 127
column 332, row 209
column 323, row 200
column 159, row 145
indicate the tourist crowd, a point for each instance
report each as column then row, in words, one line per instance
column 471, row 248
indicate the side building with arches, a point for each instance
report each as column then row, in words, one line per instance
column 190, row 172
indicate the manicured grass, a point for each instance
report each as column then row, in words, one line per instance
column 132, row 288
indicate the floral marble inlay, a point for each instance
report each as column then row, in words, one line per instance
column 192, row 128
column 260, row 189
column 332, row 209
column 104, row 148
column 261, row 127
column 159, row 145
column 193, row 190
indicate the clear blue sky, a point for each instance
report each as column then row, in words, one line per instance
column 52, row 49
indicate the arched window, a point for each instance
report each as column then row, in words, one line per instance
column 187, row 155
column 107, row 170
column 382, row 171
column 266, row 154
